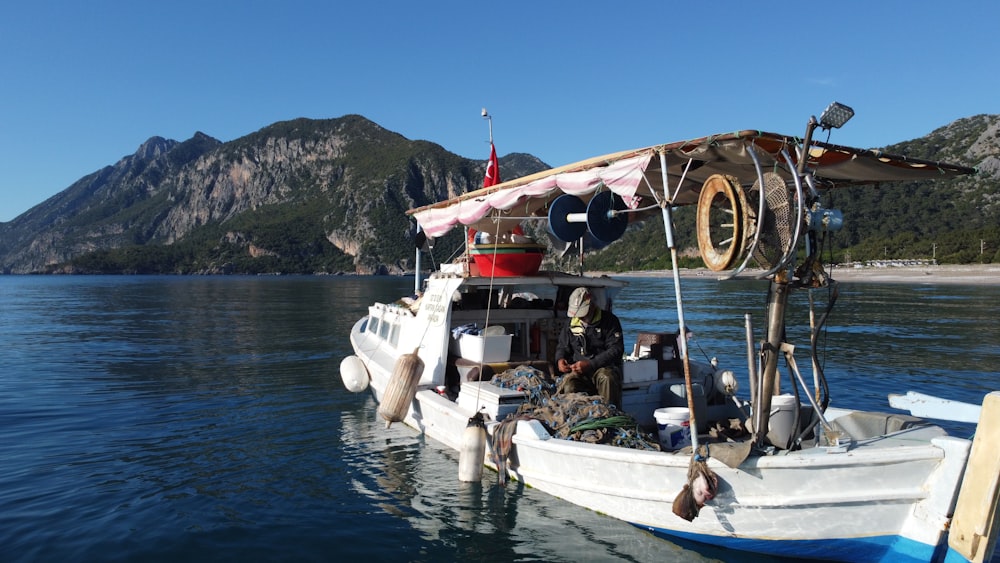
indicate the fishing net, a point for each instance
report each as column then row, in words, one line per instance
column 572, row 416
column 776, row 231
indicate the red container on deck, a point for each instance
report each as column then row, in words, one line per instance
column 507, row 260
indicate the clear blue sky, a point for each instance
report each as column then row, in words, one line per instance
column 83, row 84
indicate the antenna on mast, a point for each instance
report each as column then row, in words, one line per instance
column 488, row 117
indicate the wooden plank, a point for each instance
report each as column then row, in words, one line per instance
column 974, row 527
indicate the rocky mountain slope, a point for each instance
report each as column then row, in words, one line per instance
column 307, row 196
column 276, row 199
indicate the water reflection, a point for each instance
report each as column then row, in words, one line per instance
column 417, row 481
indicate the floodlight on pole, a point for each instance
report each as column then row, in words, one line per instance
column 488, row 117
column 835, row 116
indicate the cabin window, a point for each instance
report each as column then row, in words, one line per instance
column 394, row 335
column 373, row 323
column 383, row 329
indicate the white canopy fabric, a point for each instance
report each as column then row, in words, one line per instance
column 637, row 173
column 621, row 177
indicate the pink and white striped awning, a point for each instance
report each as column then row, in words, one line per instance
column 621, row 177
column 638, row 174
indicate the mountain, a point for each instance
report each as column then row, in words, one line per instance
column 306, row 196
column 297, row 196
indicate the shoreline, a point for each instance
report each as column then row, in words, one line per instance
column 965, row 274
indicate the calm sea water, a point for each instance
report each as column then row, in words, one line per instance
column 203, row 418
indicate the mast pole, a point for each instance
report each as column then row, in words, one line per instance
column 682, row 348
column 777, row 302
column 468, row 243
column 416, row 273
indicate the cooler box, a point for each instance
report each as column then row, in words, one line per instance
column 484, row 348
column 676, row 396
column 498, row 402
column 642, row 399
column 640, row 370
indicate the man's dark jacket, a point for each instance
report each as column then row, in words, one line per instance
column 600, row 342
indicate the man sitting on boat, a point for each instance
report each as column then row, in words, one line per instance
column 590, row 350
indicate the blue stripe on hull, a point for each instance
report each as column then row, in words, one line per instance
column 880, row 548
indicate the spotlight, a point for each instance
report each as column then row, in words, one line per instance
column 835, row 116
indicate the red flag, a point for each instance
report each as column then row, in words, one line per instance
column 492, row 178
column 492, row 169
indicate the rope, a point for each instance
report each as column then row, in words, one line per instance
column 489, row 303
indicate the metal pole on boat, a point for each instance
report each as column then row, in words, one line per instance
column 682, row 348
column 488, row 117
column 812, row 331
column 777, row 300
column 751, row 358
column 416, row 273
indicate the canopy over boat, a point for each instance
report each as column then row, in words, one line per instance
column 638, row 177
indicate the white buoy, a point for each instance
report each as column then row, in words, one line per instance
column 354, row 374
column 401, row 389
column 726, row 383
column 470, row 458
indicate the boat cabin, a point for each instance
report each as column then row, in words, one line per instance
column 468, row 329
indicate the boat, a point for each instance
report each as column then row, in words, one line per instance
column 795, row 477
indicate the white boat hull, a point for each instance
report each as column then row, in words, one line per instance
column 887, row 497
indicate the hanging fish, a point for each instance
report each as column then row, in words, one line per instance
column 701, row 487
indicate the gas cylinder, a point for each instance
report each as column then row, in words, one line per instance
column 535, row 340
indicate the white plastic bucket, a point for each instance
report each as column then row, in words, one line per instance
column 673, row 425
column 781, row 420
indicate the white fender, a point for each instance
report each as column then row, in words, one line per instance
column 401, row 389
column 354, row 374
column 470, row 458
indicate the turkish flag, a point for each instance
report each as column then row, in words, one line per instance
column 492, row 169
column 491, row 178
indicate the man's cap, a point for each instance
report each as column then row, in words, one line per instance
column 579, row 303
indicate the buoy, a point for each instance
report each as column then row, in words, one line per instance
column 725, row 382
column 401, row 388
column 354, row 374
column 470, row 456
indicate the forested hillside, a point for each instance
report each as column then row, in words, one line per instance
column 330, row 196
column 956, row 222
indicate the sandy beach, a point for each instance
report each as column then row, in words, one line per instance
column 978, row 274
column 972, row 274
